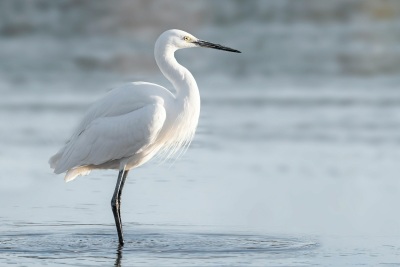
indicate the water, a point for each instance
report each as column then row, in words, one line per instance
column 295, row 179
column 83, row 245
column 295, row 161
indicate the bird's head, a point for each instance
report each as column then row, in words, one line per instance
column 178, row 39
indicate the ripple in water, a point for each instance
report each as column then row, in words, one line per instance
column 84, row 244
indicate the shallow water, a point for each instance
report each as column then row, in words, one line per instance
column 273, row 178
column 295, row 161
column 88, row 245
column 179, row 245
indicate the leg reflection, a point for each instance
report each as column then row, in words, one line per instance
column 119, row 256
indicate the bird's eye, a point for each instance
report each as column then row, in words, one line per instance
column 186, row 38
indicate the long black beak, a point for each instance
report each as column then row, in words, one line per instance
column 202, row 43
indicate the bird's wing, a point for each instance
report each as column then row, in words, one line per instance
column 121, row 100
column 112, row 138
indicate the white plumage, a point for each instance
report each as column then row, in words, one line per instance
column 132, row 123
column 123, row 127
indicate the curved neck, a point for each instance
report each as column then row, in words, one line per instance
column 182, row 80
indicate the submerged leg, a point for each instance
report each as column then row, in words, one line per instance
column 116, row 204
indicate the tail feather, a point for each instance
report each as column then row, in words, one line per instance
column 73, row 173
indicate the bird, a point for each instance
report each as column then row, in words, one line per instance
column 134, row 122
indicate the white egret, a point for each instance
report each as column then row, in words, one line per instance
column 132, row 123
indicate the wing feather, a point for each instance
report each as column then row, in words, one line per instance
column 112, row 138
column 119, row 101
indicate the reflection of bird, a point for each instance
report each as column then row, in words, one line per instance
column 132, row 123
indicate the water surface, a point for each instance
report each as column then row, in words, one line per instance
column 295, row 161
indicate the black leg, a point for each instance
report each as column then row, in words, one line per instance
column 119, row 196
column 122, row 185
column 116, row 203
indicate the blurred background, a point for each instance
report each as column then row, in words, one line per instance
column 292, row 40
column 299, row 133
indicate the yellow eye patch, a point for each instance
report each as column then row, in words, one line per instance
column 187, row 38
